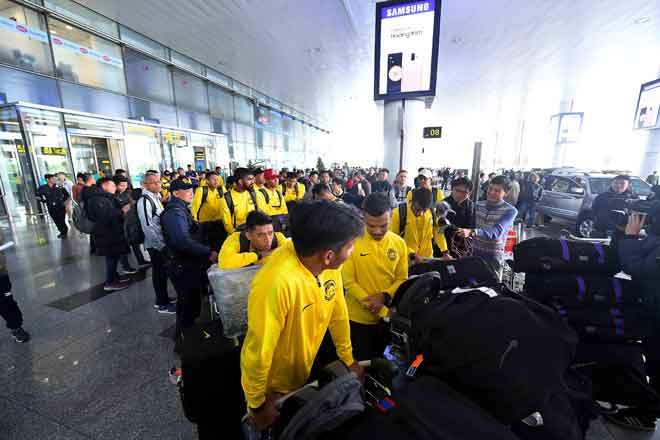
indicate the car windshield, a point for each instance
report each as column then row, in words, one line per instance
column 600, row 185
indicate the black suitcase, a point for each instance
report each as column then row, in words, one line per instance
column 211, row 394
column 425, row 409
column 578, row 291
column 467, row 272
column 618, row 373
column 542, row 255
column 609, row 324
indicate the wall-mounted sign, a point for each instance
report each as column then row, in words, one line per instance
column 407, row 34
column 432, row 132
column 648, row 106
column 53, row 151
column 200, row 155
column 20, row 148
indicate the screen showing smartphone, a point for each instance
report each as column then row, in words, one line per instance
column 394, row 72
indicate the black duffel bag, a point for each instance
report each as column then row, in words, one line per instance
column 425, row 409
column 466, row 272
column 609, row 324
column 618, row 374
column 543, row 255
column 578, row 291
column 211, row 394
column 504, row 351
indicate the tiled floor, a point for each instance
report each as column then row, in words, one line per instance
column 98, row 371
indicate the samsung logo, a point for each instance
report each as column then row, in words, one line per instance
column 414, row 8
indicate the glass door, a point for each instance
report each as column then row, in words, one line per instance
column 17, row 186
column 143, row 151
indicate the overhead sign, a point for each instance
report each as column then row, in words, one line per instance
column 432, row 132
column 200, row 155
column 53, row 151
column 407, row 35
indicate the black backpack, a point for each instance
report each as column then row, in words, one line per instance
column 542, row 255
column 506, row 352
column 81, row 219
column 464, row 273
column 132, row 226
column 230, row 203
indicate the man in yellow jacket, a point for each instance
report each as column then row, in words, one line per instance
column 425, row 180
column 241, row 200
column 415, row 224
column 295, row 298
column 292, row 190
column 372, row 274
column 208, row 209
column 252, row 246
column 277, row 208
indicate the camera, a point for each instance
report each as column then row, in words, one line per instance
column 649, row 208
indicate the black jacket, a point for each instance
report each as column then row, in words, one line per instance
column 53, row 197
column 640, row 260
column 464, row 217
column 103, row 209
column 530, row 192
column 603, row 206
column 179, row 230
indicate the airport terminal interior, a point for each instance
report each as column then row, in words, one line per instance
column 204, row 203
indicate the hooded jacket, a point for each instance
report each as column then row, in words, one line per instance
column 103, row 209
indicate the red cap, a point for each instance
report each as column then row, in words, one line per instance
column 269, row 174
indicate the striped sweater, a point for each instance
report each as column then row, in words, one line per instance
column 493, row 224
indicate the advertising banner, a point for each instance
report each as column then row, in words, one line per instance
column 648, row 106
column 407, row 36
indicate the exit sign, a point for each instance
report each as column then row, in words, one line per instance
column 432, row 132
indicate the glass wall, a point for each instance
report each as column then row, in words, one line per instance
column 153, row 112
column 147, row 78
column 16, row 85
column 83, row 15
column 143, row 43
column 143, row 151
column 190, row 92
column 90, row 100
column 187, row 63
column 84, row 58
column 23, row 38
column 46, row 141
column 176, row 143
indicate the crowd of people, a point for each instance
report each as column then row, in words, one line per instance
column 338, row 243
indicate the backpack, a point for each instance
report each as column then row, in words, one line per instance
column 295, row 189
column 81, row 219
column 205, row 195
column 245, row 243
column 543, row 255
column 230, row 203
column 505, row 352
column 403, row 218
column 132, row 225
column 466, row 272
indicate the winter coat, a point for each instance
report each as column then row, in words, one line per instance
column 103, row 209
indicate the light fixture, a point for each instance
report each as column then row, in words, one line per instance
column 642, row 20
column 69, row 27
column 53, row 32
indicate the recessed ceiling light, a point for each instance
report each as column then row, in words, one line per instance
column 53, row 31
column 642, row 20
column 69, row 27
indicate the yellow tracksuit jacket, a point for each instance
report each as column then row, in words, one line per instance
column 289, row 311
column 290, row 193
column 211, row 210
column 439, row 238
column 276, row 202
column 418, row 233
column 231, row 256
column 373, row 267
column 243, row 205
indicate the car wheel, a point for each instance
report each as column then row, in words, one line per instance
column 586, row 227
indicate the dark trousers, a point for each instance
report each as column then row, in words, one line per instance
column 158, row 277
column 528, row 210
column 137, row 251
column 58, row 214
column 111, row 262
column 189, row 280
column 213, row 234
column 8, row 308
column 368, row 341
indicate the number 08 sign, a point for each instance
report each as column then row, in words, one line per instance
column 407, row 36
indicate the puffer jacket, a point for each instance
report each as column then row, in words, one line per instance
column 103, row 209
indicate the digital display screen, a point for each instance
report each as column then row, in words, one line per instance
column 646, row 116
column 407, row 36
